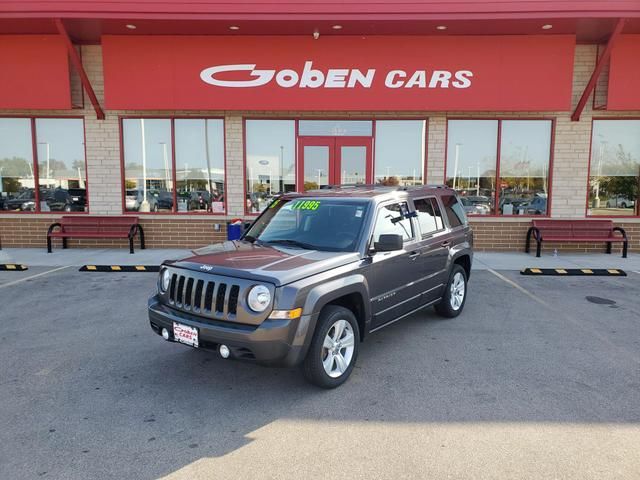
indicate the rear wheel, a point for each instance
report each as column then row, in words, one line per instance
column 334, row 348
column 455, row 293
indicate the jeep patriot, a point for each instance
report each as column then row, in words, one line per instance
column 316, row 273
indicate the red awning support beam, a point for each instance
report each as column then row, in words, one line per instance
column 597, row 70
column 77, row 63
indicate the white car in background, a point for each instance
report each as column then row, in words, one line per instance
column 620, row 201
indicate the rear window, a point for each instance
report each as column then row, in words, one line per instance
column 429, row 216
column 454, row 211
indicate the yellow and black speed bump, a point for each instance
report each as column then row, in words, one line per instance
column 13, row 267
column 569, row 272
column 120, row 268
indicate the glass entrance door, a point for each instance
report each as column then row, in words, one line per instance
column 326, row 161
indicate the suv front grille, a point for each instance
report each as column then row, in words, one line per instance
column 209, row 298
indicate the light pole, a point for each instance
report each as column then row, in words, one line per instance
column 144, row 205
column 281, row 169
column 455, row 165
column 48, row 153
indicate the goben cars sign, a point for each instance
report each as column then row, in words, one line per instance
column 333, row 78
column 338, row 73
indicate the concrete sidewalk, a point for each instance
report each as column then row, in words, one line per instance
column 36, row 257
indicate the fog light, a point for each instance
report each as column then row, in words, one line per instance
column 165, row 334
column 224, row 351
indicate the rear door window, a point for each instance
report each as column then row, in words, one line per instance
column 429, row 215
column 454, row 211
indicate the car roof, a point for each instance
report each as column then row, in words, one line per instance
column 369, row 191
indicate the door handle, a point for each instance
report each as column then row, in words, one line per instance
column 446, row 243
column 414, row 255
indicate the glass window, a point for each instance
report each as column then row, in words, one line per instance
column 391, row 220
column 429, row 216
column 471, row 162
column 199, row 165
column 335, row 128
column 61, row 164
column 615, row 168
column 17, row 180
column 400, row 152
column 270, row 153
column 454, row 211
column 525, row 149
column 148, row 173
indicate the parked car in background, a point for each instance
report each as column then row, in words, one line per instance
column 620, row 201
column 200, row 200
column 514, row 202
column 537, row 206
column 134, row 199
column 71, row 200
column 476, row 205
column 164, row 199
column 24, row 201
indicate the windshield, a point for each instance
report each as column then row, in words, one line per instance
column 327, row 224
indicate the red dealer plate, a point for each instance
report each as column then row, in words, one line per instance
column 185, row 334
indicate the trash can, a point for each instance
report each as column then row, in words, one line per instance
column 234, row 229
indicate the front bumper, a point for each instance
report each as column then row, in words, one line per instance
column 273, row 342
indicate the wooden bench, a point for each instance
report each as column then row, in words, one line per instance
column 71, row 226
column 582, row 231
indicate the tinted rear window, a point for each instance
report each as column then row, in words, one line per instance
column 454, row 211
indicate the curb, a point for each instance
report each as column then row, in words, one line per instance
column 13, row 267
column 120, row 268
column 568, row 272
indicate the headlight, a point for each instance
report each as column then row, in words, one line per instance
column 165, row 280
column 259, row 298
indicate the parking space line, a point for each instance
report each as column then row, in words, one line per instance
column 577, row 323
column 15, row 282
column 518, row 287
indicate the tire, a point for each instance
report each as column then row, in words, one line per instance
column 317, row 363
column 451, row 308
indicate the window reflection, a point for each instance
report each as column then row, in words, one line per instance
column 270, row 153
column 524, row 166
column 335, row 128
column 17, row 180
column 61, row 164
column 471, row 163
column 200, row 165
column 148, row 165
column 400, row 151
column 615, row 168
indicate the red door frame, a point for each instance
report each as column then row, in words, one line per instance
column 335, row 159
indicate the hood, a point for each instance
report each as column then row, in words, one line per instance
column 275, row 264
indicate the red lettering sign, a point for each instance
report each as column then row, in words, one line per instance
column 339, row 73
column 624, row 72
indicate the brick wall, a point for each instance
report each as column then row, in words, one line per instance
column 568, row 189
column 31, row 231
column 511, row 235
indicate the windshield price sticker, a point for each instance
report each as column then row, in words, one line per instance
column 305, row 205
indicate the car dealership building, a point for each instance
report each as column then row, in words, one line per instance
column 193, row 114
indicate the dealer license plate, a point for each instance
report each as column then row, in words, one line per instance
column 185, row 334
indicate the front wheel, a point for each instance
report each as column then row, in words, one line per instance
column 334, row 348
column 455, row 293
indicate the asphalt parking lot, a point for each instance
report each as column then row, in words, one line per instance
column 531, row 381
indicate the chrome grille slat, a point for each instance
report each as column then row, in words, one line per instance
column 220, row 297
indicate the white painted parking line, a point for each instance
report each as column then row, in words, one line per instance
column 10, row 284
column 518, row 287
column 574, row 321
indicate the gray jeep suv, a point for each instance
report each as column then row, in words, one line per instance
column 316, row 273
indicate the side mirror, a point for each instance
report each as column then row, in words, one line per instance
column 389, row 242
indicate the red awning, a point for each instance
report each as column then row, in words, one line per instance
column 624, row 74
column 34, row 73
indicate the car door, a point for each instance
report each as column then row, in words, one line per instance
column 392, row 275
column 433, row 245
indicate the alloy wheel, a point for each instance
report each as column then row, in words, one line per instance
column 338, row 348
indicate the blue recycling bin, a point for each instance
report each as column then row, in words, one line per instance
column 234, row 230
